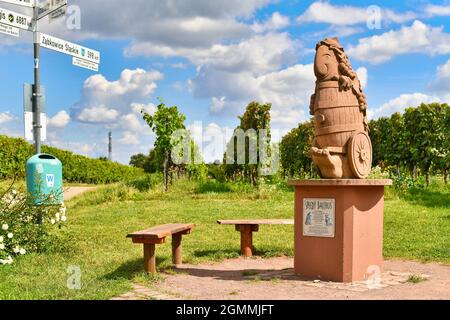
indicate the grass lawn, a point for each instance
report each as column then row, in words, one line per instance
column 417, row 227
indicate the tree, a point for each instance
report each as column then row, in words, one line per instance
column 295, row 149
column 164, row 123
column 138, row 160
column 252, row 123
column 443, row 145
column 424, row 136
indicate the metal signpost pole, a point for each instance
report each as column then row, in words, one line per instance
column 37, row 83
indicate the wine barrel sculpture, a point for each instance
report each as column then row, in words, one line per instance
column 342, row 148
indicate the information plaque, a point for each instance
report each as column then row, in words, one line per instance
column 319, row 218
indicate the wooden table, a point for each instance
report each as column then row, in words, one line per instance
column 247, row 227
column 157, row 235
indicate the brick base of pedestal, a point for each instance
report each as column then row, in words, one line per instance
column 356, row 251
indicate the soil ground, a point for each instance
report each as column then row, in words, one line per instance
column 274, row 279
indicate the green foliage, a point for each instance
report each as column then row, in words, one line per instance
column 417, row 140
column 415, row 228
column 164, row 123
column 294, row 151
column 256, row 118
column 79, row 169
column 152, row 163
column 145, row 182
column 20, row 232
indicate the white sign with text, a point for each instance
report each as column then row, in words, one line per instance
column 69, row 48
column 319, row 218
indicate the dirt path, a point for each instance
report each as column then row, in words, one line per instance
column 72, row 192
column 274, row 279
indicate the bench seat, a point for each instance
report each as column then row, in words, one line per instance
column 157, row 235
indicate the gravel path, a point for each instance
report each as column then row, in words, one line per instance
column 72, row 192
column 274, row 279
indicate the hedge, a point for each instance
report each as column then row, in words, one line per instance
column 14, row 153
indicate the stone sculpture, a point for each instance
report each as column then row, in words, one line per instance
column 342, row 148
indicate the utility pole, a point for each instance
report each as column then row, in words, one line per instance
column 110, row 146
column 37, row 83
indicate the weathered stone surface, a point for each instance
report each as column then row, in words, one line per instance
column 342, row 148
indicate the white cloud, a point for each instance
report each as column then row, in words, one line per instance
column 441, row 85
column 254, row 69
column 99, row 114
column 217, row 104
column 276, row 22
column 363, row 76
column 114, row 98
column 179, row 65
column 6, row 117
column 402, row 102
column 437, row 10
column 417, row 38
column 150, row 108
column 129, row 138
column 59, row 120
column 115, row 105
column 175, row 23
column 325, row 12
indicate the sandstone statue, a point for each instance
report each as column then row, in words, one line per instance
column 342, row 148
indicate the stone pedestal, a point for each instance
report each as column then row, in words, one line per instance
column 339, row 228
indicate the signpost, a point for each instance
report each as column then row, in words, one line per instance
column 10, row 23
column 29, row 114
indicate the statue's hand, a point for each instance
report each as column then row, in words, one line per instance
column 345, row 83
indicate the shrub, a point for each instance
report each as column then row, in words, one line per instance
column 15, row 152
column 146, row 182
column 25, row 227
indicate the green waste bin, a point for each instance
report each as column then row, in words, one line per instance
column 44, row 179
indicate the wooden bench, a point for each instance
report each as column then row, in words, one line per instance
column 247, row 227
column 157, row 235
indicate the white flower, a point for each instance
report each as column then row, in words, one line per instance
column 14, row 192
column 52, row 221
column 16, row 250
column 63, row 218
column 2, row 246
column 22, row 251
column 10, row 235
column 57, row 216
column 5, row 227
column 10, row 260
column 1, row 239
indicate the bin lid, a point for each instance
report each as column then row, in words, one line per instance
column 43, row 157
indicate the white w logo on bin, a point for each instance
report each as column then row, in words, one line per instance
column 50, row 178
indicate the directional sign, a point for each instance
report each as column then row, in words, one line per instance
column 85, row 64
column 69, row 48
column 50, row 7
column 24, row 3
column 57, row 13
column 15, row 19
column 9, row 30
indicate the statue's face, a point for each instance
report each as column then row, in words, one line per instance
column 326, row 65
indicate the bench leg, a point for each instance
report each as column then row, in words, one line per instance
column 177, row 249
column 246, row 241
column 149, row 258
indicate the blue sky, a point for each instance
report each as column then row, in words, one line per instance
column 213, row 57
